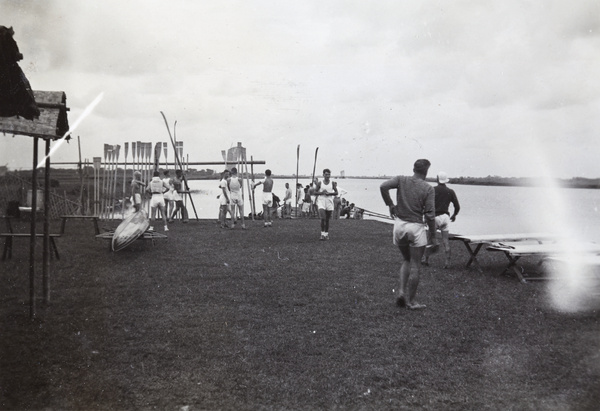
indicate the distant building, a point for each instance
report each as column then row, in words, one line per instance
column 342, row 174
column 236, row 154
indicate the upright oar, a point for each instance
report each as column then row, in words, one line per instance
column 187, row 188
column 314, row 166
column 114, row 189
column 103, row 191
column 297, row 170
column 124, row 181
column 166, row 158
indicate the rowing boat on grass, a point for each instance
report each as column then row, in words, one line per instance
column 130, row 230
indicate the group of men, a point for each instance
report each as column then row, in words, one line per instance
column 420, row 211
column 166, row 195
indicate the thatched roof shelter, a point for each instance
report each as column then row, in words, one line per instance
column 52, row 123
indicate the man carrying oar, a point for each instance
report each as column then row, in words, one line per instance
column 415, row 201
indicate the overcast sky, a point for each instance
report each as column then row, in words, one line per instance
column 508, row 88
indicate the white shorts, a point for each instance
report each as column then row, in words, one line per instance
column 157, row 201
column 236, row 199
column 305, row 207
column 267, row 199
column 442, row 222
column 325, row 203
column 176, row 196
column 136, row 198
column 409, row 234
column 168, row 196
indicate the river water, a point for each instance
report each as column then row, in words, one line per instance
column 484, row 209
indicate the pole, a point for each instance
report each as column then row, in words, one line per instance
column 33, row 230
column 79, row 168
column 252, row 172
column 124, row 181
column 187, row 188
column 46, row 252
column 297, row 170
column 114, row 188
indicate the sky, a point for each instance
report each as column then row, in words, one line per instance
column 508, row 88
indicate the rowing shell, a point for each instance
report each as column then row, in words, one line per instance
column 130, row 230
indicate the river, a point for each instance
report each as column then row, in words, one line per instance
column 484, row 209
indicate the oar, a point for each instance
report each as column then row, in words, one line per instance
column 297, row 169
column 166, row 159
column 124, row 181
column 102, row 199
column 187, row 188
column 314, row 165
column 116, row 177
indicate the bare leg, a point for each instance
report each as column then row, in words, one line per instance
column 416, row 253
column 446, row 243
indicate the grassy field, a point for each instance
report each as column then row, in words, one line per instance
column 275, row 319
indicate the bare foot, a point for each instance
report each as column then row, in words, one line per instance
column 416, row 306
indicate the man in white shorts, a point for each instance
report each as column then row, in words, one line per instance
column 169, row 203
column 287, row 202
column 225, row 201
column 157, row 188
column 267, row 200
column 235, row 184
column 137, row 185
column 444, row 196
column 325, row 191
column 415, row 200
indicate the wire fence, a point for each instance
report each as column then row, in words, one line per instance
column 16, row 191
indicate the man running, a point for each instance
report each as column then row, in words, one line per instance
column 157, row 188
column 443, row 197
column 235, row 183
column 415, row 200
column 325, row 191
column 267, row 200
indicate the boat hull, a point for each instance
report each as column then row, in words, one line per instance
column 130, row 230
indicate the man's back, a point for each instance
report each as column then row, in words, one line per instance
column 443, row 197
column 415, row 198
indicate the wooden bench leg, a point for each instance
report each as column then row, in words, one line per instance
column 53, row 245
column 512, row 265
column 473, row 256
column 96, row 227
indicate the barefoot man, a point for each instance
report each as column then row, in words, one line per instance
column 415, row 200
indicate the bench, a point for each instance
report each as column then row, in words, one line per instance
column 566, row 252
column 8, row 242
column 94, row 218
column 487, row 239
column 148, row 235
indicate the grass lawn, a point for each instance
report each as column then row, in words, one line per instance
column 276, row 319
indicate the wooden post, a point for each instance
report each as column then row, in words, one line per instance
column 33, row 230
column 46, row 253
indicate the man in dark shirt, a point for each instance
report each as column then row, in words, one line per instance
column 415, row 207
column 444, row 196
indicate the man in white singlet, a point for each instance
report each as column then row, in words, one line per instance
column 157, row 188
column 267, row 202
column 325, row 191
column 236, row 184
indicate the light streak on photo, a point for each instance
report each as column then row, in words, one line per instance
column 83, row 115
